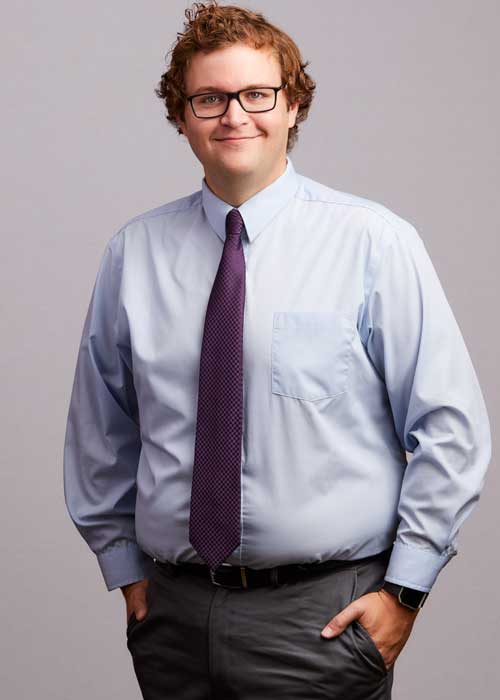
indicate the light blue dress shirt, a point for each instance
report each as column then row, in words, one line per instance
column 352, row 358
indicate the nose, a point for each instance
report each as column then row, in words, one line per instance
column 235, row 114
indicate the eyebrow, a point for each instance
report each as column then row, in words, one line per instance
column 217, row 89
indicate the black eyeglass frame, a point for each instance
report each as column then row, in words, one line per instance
column 236, row 95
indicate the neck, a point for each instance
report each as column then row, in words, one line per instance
column 236, row 190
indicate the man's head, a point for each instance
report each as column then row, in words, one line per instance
column 230, row 48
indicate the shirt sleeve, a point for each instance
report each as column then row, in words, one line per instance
column 102, row 441
column 415, row 344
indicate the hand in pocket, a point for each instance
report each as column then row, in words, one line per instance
column 135, row 597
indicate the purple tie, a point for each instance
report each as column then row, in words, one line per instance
column 214, row 525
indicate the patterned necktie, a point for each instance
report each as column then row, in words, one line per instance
column 214, row 525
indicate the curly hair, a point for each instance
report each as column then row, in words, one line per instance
column 210, row 26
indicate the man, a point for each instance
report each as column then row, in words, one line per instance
column 256, row 360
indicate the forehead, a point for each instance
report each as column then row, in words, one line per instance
column 231, row 68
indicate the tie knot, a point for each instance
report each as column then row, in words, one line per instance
column 234, row 223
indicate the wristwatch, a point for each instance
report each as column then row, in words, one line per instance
column 407, row 596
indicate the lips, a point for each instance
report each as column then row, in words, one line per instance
column 237, row 138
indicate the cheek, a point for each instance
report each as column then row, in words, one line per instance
column 197, row 131
column 266, row 125
column 201, row 135
column 274, row 124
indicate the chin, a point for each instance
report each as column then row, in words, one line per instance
column 237, row 161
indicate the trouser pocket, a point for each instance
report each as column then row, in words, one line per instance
column 369, row 577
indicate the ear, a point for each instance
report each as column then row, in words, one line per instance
column 181, row 121
column 292, row 114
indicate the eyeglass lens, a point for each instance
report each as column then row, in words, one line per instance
column 213, row 104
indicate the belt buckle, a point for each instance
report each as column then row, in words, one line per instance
column 212, row 578
column 242, row 575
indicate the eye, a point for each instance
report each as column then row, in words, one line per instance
column 252, row 94
column 210, row 99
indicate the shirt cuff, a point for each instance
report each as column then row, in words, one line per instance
column 124, row 563
column 416, row 567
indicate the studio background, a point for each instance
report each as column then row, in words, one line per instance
column 406, row 113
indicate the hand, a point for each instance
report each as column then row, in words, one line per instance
column 387, row 621
column 135, row 596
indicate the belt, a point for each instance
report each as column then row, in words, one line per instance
column 231, row 576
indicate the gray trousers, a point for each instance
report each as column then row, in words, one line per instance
column 200, row 641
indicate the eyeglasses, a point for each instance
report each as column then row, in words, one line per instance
column 208, row 105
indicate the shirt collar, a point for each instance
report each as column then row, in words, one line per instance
column 257, row 211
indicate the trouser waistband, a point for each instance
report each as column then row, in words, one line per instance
column 233, row 576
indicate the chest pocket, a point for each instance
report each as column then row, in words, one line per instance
column 310, row 353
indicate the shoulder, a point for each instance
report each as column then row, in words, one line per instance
column 375, row 218
column 155, row 218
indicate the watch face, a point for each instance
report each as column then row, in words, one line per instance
column 412, row 598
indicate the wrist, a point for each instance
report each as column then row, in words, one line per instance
column 126, row 588
column 410, row 598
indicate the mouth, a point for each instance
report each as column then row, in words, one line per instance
column 239, row 138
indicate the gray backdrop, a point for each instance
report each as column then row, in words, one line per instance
column 406, row 113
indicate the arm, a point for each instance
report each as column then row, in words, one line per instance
column 102, row 441
column 416, row 346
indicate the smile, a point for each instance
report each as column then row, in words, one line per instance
column 240, row 138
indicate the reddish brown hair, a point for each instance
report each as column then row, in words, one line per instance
column 210, row 26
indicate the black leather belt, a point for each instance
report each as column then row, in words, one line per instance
column 231, row 576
